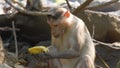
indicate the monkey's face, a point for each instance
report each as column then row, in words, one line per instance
column 57, row 21
column 58, row 27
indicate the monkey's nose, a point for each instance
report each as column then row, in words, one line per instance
column 55, row 35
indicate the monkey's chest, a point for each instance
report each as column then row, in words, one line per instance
column 63, row 45
column 69, row 63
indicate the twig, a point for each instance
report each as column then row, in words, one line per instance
column 69, row 6
column 111, row 45
column 7, row 29
column 82, row 7
column 102, row 5
column 105, row 64
column 93, row 31
column 15, row 38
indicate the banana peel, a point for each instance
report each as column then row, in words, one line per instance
column 38, row 49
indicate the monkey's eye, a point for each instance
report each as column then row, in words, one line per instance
column 49, row 16
column 57, row 15
column 53, row 17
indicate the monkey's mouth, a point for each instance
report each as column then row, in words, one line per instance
column 56, row 35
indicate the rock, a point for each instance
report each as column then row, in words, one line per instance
column 19, row 66
column 106, row 26
column 118, row 64
column 117, row 13
column 32, row 28
column 11, row 59
column 4, row 66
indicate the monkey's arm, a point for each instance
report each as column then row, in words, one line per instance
column 53, row 53
column 68, row 54
column 71, row 52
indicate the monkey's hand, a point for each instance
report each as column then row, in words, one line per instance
column 42, row 56
column 38, row 50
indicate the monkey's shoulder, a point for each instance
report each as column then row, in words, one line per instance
column 78, row 20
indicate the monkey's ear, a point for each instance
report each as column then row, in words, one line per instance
column 67, row 14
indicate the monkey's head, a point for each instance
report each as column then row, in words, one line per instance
column 57, row 20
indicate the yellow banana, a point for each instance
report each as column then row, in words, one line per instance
column 37, row 49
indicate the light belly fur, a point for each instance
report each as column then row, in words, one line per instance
column 68, row 63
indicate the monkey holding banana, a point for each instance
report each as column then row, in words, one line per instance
column 71, row 43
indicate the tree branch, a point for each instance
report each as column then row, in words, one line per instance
column 7, row 29
column 111, row 45
column 69, row 6
column 15, row 38
column 102, row 5
column 82, row 7
column 34, row 13
column 14, row 1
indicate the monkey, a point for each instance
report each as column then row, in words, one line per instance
column 71, row 43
